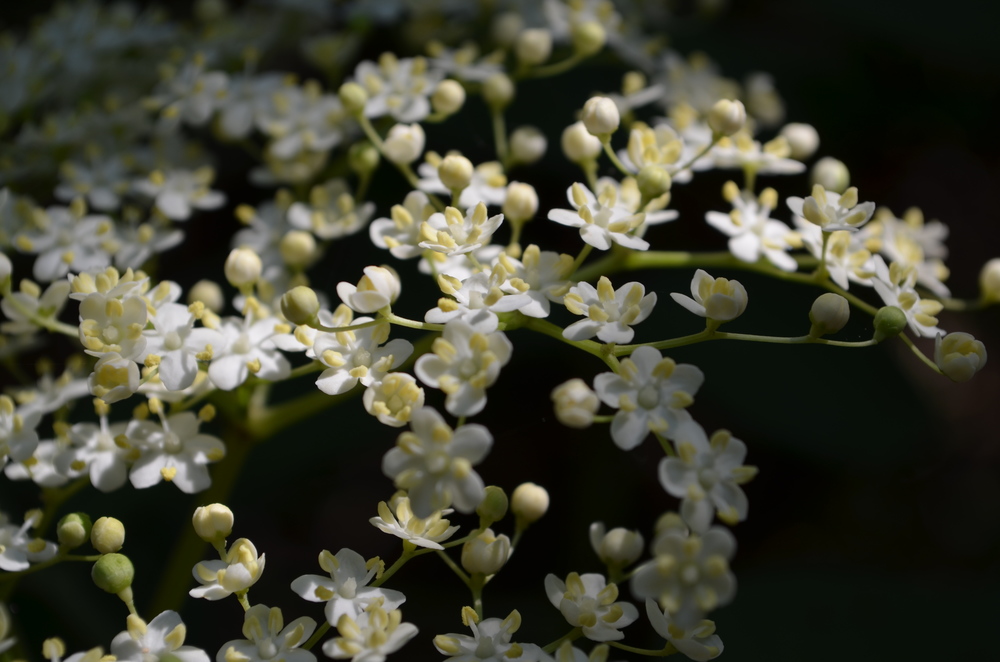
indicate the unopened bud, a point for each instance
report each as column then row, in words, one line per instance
column 831, row 174
column 486, row 553
column 404, row 144
column 829, row 314
column 959, row 355
column 889, row 322
column 363, row 158
column 455, row 172
column 534, row 46
column 73, row 530
column 529, row 502
column 802, row 139
column 989, row 281
column 209, row 293
column 213, row 523
column 578, row 144
column 113, row 573
column 493, row 507
column 107, row 535
column 653, row 181
column 297, row 248
column 588, row 37
column 527, row 145
column 498, row 91
column 521, row 203
column 727, row 117
column 243, row 267
column 448, row 97
column 6, row 268
column 600, row 116
column 354, row 97
column 575, row 403
column 300, row 305
column 618, row 547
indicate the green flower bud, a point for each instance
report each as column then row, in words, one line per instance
column 113, row 573
column 107, row 535
column 498, row 91
column 486, row 553
column 299, row 305
column 493, row 507
column 588, row 37
column 73, row 530
column 354, row 98
column 889, row 322
column 653, row 181
column 297, row 248
column 363, row 157
column 829, row 314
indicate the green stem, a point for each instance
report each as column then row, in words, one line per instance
column 411, row 324
column 317, row 635
column 351, row 327
column 550, row 329
column 49, row 323
column 454, row 567
column 920, row 355
column 572, row 635
column 614, row 158
column 556, row 67
column 499, row 134
column 668, row 649
column 584, row 252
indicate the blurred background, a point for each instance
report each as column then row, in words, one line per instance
column 874, row 527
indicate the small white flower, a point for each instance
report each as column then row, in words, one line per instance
column 30, row 298
column 18, row 438
column 751, row 230
column 399, row 88
column 601, row 220
column 18, row 550
column 65, row 240
column 239, row 571
column 541, row 275
column 332, row 212
column 114, row 378
column 162, row 638
column 401, row 233
column 831, row 211
column 487, row 183
column 177, row 193
column 453, row 234
column 302, row 121
column 846, row 256
column 464, row 363
column 41, row 467
column 174, row 451
column 394, row 398
column 959, row 355
column 404, row 143
column 99, row 451
column 718, row 299
column 371, row 636
column 617, row 547
column 191, row 94
column 706, row 475
column 698, row 642
column 589, row 602
column 112, row 325
column 179, row 345
column 490, row 642
column 895, row 284
column 434, row 463
column 651, row 393
column 269, row 638
column 249, row 347
column 609, row 313
column 353, row 356
column 477, row 299
column 575, row 403
column 378, row 288
column 742, row 151
column 396, row 518
column 346, row 590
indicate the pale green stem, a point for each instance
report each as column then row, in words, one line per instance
column 572, row 635
column 920, row 355
column 317, row 635
column 557, row 67
column 49, row 323
column 499, row 134
column 668, row 649
column 411, row 324
column 584, row 252
column 614, row 158
column 351, row 327
column 550, row 329
column 454, row 567
column 703, row 152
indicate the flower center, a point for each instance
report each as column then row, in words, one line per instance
column 172, row 341
column 267, row 649
column 468, row 369
column 242, row 344
column 172, row 443
column 708, row 477
column 649, row 396
column 690, row 574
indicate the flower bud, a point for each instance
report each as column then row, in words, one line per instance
column 378, row 288
column 527, row 145
column 113, row 573
column 363, row 158
column 493, row 507
column 297, row 248
column 243, row 267
column 578, row 144
column 213, row 523
column 455, row 172
column 448, row 97
column 107, row 535
column 959, row 355
column 534, row 46
column 498, row 91
column 989, row 281
column 300, row 305
column 6, row 268
column 404, row 144
column 209, row 293
column 529, row 503
column 600, row 116
column 521, row 202
column 486, row 553
column 506, row 27
column 618, row 547
column 73, row 530
column 575, row 403
column 802, row 139
column 588, row 37
column 727, row 117
column 831, row 174
column 829, row 314
column 889, row 322
column 114, row 378
column 653, row 181
column 354, row 97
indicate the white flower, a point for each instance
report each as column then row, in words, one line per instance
column 40, row 468
column 959, row 355
column 99, row 450
column 846, row 256
column 302, row 121
column 452, row 234
column 401, row 233
column 65, row 240
column 751, row 230
column 589, row 602
column 101, row 180
column 540, row 275
column 914, row 243
column 112, row 325
column 651, row 393
column 18, row 550
column 477, row 299
column 659, row 145
column 332, row 212
column 174, row 451
column 404, row 143
column 399, row 88
column 490, row 642
column 602, row 221
column 371, row 636
column 575, row 403
column 617, row 547
column 831, row 211
column 353, row 356
column 179, row 345
column 394, row 398
column 18, row 438
column 162, row 637
column 268, row 638
column 698, row 642
column 689, row 574
column 114, row 378
column 139, row 242
column 378, row 288
column 742, row 151
column 609, row 313
column 346, row 590
column 464, row 363
column 191, row 94
column 706, row 475
column 718, row 299
column 895, row 284
column 487, row 184
column 396, row 518
column 177, row 193
column 250, row 347
column 434, row 463
column 220, row 578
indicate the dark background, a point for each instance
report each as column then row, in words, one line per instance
column 874, row 528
